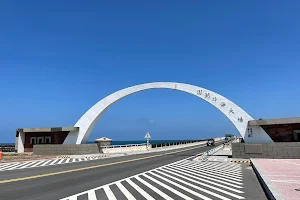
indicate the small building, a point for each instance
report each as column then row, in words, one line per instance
column 27, row 137
column 104, row 141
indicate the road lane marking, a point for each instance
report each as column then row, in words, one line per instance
column 110, row 195
column 92, row 195
column 91, row 167
column 38, row 163
column 190, row 185
column 12, row 165
column 181, row 186
column 60, row 161
column 220, row 169
column 28, row 164
column 203, row 176
column 126, row 193
column 140, row 190
column 159, row 192
column 168, row 188
column 214, row 171
column 211, row 174
column 54, row 161
column 194, row 176
column 203, row 184
column 45, row 163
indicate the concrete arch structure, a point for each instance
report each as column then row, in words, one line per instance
column 232, row 111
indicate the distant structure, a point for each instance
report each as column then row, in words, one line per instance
column 104, row 141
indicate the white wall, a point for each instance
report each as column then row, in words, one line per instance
column 21, row 142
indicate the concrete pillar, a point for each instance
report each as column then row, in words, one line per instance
column 21, row 142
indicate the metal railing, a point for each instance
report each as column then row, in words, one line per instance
column 127, row 145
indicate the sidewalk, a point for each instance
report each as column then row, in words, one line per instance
column 280, row 177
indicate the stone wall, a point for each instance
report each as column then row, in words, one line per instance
column 65, row 149
column 278, row 150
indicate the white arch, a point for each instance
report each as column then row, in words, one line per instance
column 233, row 112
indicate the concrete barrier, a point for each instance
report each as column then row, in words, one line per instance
column 278, row 150
column 66, row 149
column 125, row 149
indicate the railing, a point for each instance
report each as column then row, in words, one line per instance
column 127, row 145
column 9, row 148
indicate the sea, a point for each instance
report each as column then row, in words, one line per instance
column 125, row 142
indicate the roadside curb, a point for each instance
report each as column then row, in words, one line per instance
column 266, row 185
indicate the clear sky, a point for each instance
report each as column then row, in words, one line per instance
column 58, row 58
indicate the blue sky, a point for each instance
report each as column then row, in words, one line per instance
column 58, row 58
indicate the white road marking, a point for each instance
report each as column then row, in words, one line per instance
column 203, row 176
column 61, row 160
column 162, row 194
column 110, row 195
column 218, row 169
column 27, row 165
column 213, row 172
column 194, row 176
column 126, row 193
column 181, row 187
column 217, row 176
column 168, row 188
column 140, row 190
column 92, row 195
column 45, row 163
column 203, row 184
column 53, row 161
column 191, row 185
column 10, row 165
column 40, row 163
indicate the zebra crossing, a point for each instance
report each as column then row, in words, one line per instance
column 42, row 163
column 185, row 179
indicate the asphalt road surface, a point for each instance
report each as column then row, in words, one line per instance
column 160, row 175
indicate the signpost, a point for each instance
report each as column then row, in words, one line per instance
column 147, row 137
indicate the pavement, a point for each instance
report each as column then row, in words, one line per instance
column 159, row 175
column 280, row 177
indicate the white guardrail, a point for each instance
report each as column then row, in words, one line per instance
column 127, row 145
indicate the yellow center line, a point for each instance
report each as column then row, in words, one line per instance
column 91, row 167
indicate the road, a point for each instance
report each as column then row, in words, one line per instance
column 60, row 181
